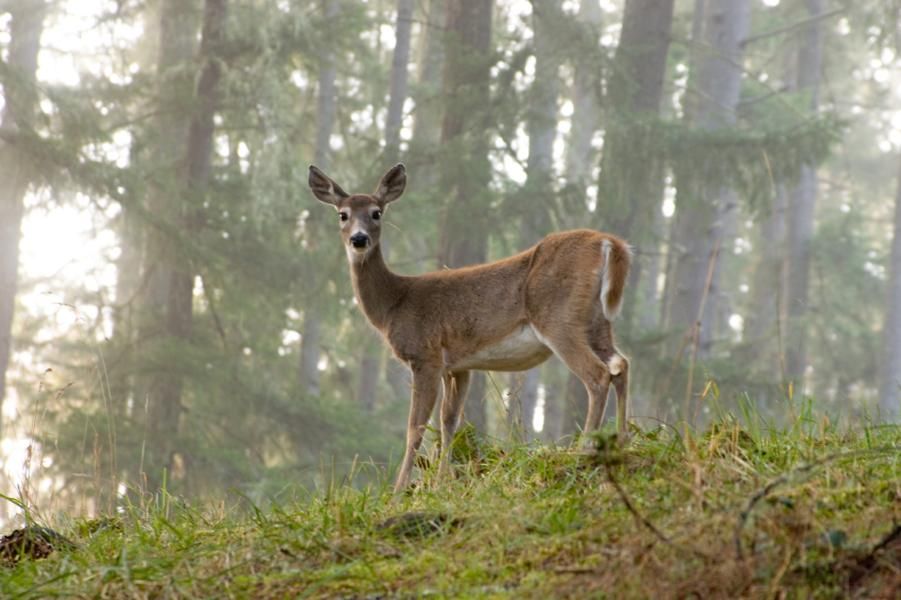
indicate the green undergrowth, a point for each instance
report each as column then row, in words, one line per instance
column 729, row 512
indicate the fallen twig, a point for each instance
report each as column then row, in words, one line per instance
column 644, row 520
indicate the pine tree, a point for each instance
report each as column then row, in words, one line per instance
column 802, row 206
column 466, row 173
column 706, row 209
column 890, row 385
column 20, row 100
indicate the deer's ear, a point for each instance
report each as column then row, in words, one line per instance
column 392, row 185
column 324, row 188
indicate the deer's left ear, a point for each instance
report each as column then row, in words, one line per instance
column 392, row 185
column 324, row 188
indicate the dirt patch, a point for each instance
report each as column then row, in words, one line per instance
column 418, row 524
column 31, row 542
column 876, row 574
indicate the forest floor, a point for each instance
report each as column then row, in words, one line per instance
column 731, row 512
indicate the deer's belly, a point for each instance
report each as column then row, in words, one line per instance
column 518, row 351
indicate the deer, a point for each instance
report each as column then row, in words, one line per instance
column 556, row 298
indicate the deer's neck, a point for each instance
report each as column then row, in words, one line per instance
column 377, row 289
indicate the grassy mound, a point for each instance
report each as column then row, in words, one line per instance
column 728, row 513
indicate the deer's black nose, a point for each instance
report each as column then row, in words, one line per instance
column 359, row 240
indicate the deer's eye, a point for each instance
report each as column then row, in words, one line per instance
column 376, row 214
column 343, row 216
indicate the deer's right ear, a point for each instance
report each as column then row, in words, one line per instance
column 324, row 188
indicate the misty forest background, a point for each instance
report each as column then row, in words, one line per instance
column 199, row 330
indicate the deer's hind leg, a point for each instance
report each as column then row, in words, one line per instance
column 621, row 385
column 572, row 346
column 456, row 385
column 601, row 340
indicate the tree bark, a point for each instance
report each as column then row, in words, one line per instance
column 20, row 98
column 762, row 323
column 541, row 120
column 706, row 213
column 521, row 403
column 399, row 77
column 580, row 155
column 630, row 188
column 466, row 84
column 890, row 386
column 326, row 110
column 802, row 209
column 541, row 123
column 466, row 173
column 166, row 311
column 586, row 112
column 130, row 230
column 426, row 137
column 194, row 179
column 575, row 406
column 427, row 118
column 373, row 349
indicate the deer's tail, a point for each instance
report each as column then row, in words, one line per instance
column 617, row 257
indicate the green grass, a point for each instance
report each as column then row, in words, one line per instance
column 665, row 516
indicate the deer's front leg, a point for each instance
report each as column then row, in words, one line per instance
column 426, row 381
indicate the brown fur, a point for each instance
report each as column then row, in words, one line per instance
column 445, row 323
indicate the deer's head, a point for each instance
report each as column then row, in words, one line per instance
column 360, row 215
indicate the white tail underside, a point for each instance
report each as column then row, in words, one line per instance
column 609, row 311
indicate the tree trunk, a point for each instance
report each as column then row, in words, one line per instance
column 193, row 182
column 528, row 399
column 467, row 172
column 762, row 329
column 162, row 318
column 575, row 406
column 705, row 213
column 553, row 410
column 466, row 84
column 367, row 386
column 522, row 401
column 630, row 188
column 541, row 123
column 20, row 100
column 399, row 76
column 427, row 118
column 373, row 349
column 802, row 208
column 130, row 230
column 475, row 411
column 426, row 134
column 584, row 120
column 580, row 155
column 890, row 386
column 648, row 304
column 310, row 343
column 131, row 227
